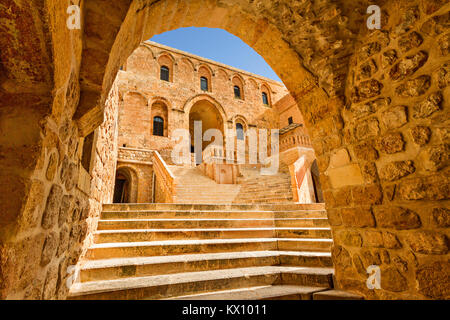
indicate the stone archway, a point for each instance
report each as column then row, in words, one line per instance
column 376, row 120
column 125, row 186
column 210, row 117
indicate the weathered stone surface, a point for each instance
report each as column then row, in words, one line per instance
column 442, row 75
column 50, row 283
column 52, row 166
column 430, row 6
column 358, row 264
column 369, row 172
column 395, row 117
column 369, row 50
column 367, row 129
column 368, row 194
column 367, row 89
column 65, row 209
column 334, row 217
column 366, row 151
column 433, row 279
column 428, row 242
column 367, row 108
column 421, row 135
column 436, row 25
column 408, row 65
column 391, row 143
column 389, row 191
column 339, row 158
column 410, row 41
column 396, row 217
column 435, row 158
column 370, row 257
column 427, row 107
column 373, row 239
column 76, row 211
column 393, row 280
column 368, row 68
column 64, row 236
column 388, row 58
column 348, row 175
column 357, row 217
column 414, row 87
column 350, row 238
column 61, row 285
column 341, row 255
column 408, row 18
column 441, row 217
column 444, row 45
column 396, row 170
column 52, row 208
column 391, row 241
column 49, row 250
column 431, row 188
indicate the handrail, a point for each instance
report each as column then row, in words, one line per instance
column 165, row 176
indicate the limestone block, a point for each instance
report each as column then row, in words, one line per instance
column 345, row 176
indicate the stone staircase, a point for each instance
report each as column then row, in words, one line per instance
column 195, row 251
column 192, row 186
column 257, row 188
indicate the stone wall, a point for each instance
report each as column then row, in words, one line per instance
column 393, row 211
column 143, row 92
column 62, row 208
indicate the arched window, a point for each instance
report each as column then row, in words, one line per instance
column 265, row 99
column 158, row 126
column 164, row 73
column 237, row 92
column 204, row 83
column 239, row 131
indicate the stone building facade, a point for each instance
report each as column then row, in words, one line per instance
column 162, row 86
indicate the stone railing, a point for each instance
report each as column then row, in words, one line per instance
column 213, row 154
column 164, row 176
column 135, row 155
column 294, row 139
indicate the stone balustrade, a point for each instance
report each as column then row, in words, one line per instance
column 135, row 155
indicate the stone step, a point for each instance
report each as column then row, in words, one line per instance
column 210, row 214
column 336, row 295
column 206, row 206
column 305, row 244
column 272, row 292
column 117, row 268
column 174, row 247
column 172, row 285
column 138, row 235
column 117, row 224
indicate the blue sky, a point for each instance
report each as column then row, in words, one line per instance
column 217, row 45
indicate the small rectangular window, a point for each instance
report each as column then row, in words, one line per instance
column 265, row 99
column 290, row 121
column 165, row 73
column 204, row 84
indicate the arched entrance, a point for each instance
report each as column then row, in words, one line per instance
column 125, row 186
column 206, row 114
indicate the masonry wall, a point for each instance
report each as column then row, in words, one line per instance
column 387, row 181
column 143, row 92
